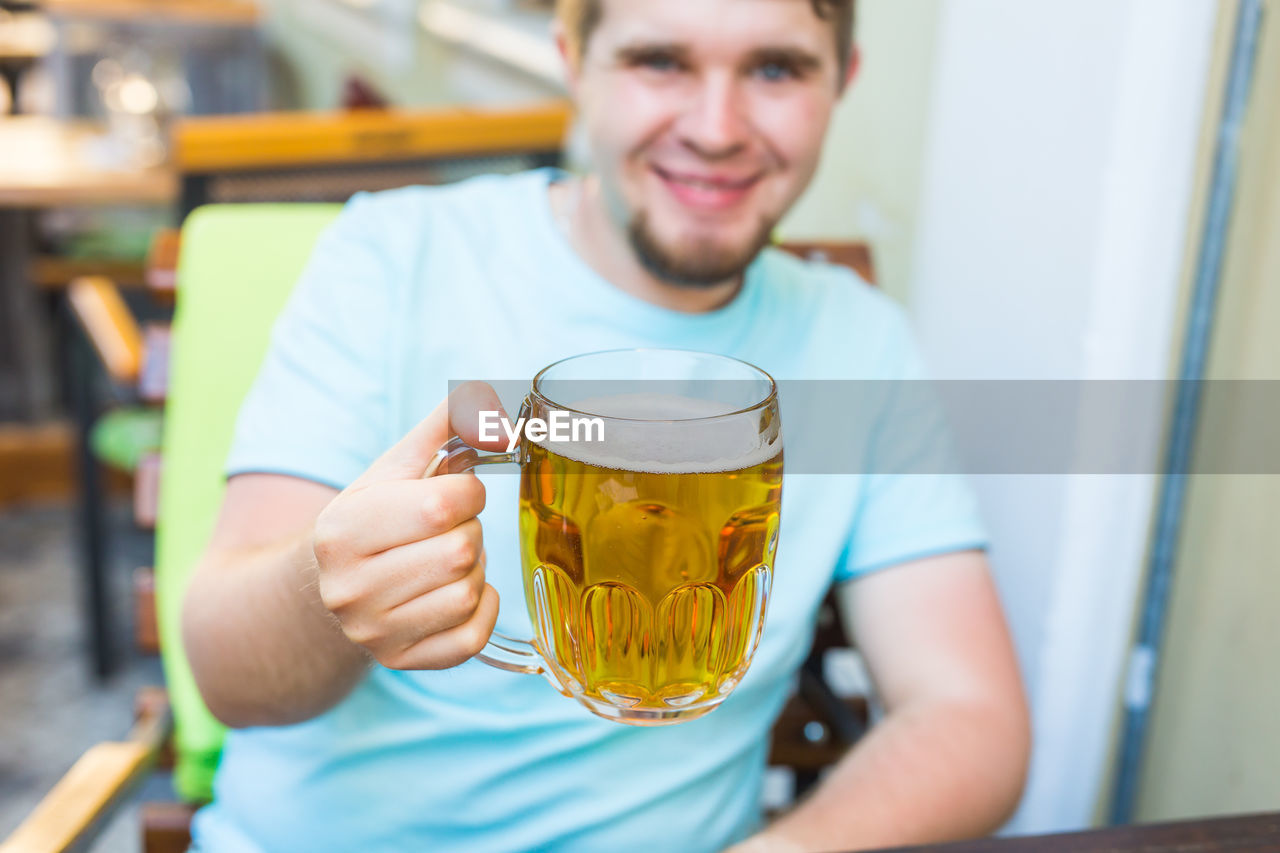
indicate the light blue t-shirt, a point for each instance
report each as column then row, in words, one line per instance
column 413, row 288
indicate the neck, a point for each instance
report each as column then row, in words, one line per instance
column 583, row 216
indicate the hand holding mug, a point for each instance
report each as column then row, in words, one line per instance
column 400, row 559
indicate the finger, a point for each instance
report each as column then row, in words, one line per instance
column 408, row 458
column 467, row 403
column 410, row 571
column 456, row 645
column 387, row 633
column 388, row 515
column 443, row 608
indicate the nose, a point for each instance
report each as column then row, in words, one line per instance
column 714, row 124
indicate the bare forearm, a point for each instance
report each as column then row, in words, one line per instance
column 935, row 772
column 263, row 648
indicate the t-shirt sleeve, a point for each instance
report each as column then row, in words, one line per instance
column 319, row 408
column 914, row 501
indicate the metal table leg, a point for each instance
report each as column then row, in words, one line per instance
column 92, row 510
column 26, row 387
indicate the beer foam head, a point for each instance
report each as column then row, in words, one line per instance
column 651, row 407
column 669, row 434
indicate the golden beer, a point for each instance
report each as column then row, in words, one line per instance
column 647, row 588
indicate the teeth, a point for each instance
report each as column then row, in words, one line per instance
column 706, row 185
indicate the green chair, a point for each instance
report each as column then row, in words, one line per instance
column 237, row 267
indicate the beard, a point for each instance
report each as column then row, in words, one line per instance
column 694, row 263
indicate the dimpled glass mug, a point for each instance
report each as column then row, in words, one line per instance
column 648, row 537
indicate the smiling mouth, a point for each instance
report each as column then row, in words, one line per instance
column 706, row 192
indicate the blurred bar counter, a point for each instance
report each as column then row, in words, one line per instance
column 217, row 12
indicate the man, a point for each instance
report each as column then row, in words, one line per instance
column 342, row 597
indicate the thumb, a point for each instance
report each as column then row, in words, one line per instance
column 458, row 414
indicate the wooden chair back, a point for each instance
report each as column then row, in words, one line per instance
column 328, row 157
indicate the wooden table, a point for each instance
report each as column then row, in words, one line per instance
column 48, row 162
column 45, row 163
column 1240, row 834
column 216, row 12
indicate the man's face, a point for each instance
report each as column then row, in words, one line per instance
column 705, row 120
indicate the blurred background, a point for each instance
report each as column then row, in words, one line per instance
column 1056, row 190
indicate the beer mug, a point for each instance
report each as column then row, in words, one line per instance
column 648, row 530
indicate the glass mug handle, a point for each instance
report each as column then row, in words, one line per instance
column 501, row 651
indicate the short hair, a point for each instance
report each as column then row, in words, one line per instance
column 581, row 17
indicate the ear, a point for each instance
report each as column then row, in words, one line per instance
column 851, row 72
column 570, row 62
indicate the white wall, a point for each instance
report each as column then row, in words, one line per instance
column 1057, row 182
column 868, row 186
column 318, row 43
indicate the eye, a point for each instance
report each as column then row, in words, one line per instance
column 660, row 61
column 775, row 71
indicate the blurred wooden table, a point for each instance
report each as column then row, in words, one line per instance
column 47, row 162
column 50, row 163
column 219, row 12
column 1241, row 834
